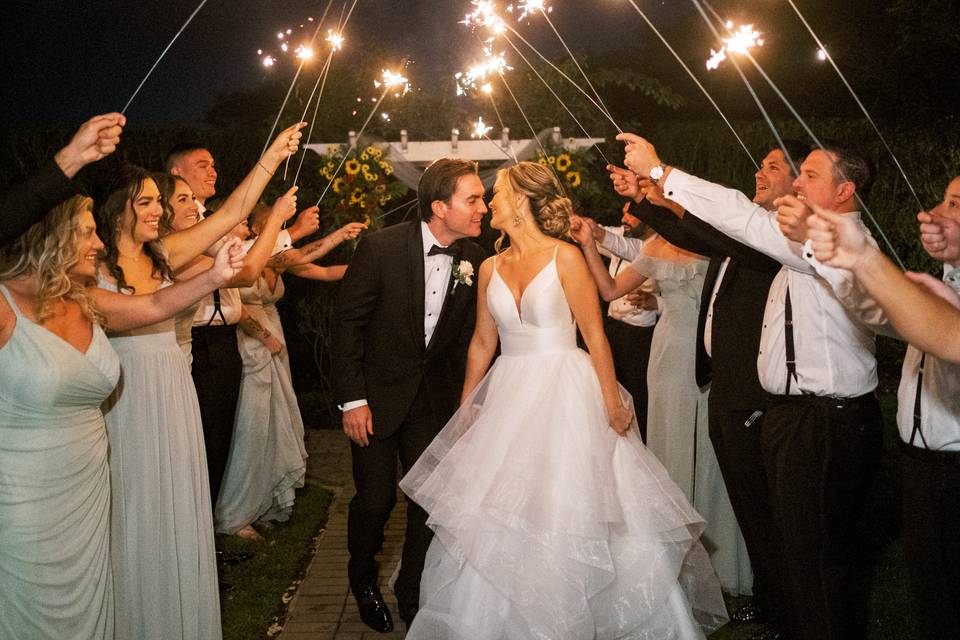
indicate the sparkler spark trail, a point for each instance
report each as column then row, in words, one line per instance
column 825, row 55
column 695, row 80
column 390, row 80
column 476, row 75
column 167, row 48
column 480, row 128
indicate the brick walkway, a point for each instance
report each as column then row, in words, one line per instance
column 323, row 607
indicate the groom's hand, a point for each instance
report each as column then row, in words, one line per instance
column 358, row 424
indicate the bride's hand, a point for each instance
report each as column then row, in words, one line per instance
column 620, row 419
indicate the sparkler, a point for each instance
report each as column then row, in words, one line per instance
column 740, row 41
column 476, row 76
column 695, row 80
column 167, row 48
column 390, row 81
column 533, row 131
column 531, row 6
column 806, row 128
column 823, row 54
column 480, row 129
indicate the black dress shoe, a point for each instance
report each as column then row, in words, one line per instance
column 373, row 610
column 229, row 559
column 748, row 614
column 768, row 633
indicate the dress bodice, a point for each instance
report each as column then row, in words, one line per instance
column 45, row 381
column 260, row 293
column 162, row 333
column 542, row 323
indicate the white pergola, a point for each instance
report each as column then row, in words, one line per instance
column 483, row 150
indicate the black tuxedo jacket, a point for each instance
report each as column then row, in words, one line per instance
column 378, row 343
column 737, row 311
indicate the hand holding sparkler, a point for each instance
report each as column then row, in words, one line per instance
column 625, row 183
column 585, row 230
column 641, row 156
column 940, row 236
column 284, row 146
column 96, row 138
column 286, row 205
column 653, row 193
column 838, row 240
column 308, row 221
column 792, row 216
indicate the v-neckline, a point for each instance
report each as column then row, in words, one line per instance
column 518, row 303
column 20, row 315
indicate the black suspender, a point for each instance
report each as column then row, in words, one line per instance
column 916, row 405
column 788, row 340
column 217, row 310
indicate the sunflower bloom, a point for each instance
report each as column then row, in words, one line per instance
column 573, row 179
column 563, row 162
column 352, row 167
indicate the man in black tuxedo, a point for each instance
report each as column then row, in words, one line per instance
column 731, row 318
column 404, row 316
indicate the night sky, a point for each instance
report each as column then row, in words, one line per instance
column 65, row 60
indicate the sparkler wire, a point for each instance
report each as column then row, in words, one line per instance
column 170, row 44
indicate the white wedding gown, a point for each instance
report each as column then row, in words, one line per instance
column 547, row 523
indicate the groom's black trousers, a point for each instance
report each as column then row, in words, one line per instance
column 375, row 478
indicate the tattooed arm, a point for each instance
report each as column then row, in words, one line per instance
column 254, row 329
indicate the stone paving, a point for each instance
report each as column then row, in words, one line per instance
column 323, row 607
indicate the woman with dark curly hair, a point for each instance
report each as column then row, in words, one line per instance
column 162, row 547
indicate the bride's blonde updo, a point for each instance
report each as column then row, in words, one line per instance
column 549, row 204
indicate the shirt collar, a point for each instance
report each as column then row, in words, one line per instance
column 428, row 238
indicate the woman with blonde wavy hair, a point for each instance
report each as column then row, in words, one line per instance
column 56, row 368
column 551, row 519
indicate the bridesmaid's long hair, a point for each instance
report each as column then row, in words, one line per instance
column 47, row 251
column 549, row 204
column 123, row 194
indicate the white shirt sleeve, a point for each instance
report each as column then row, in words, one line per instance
column 734, row 214
column 615, row 244
column 353, row 404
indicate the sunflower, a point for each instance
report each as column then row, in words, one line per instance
column 326, row 173
column 369, row 177
column 384, row 200
column 376, row 153
column 387, row 169
column 352, row 167
column 563, row 162
column 371, row 151
column 338, row 185
column 380, row 188
column 364, row 156
column 573, row 179
column 552, row 160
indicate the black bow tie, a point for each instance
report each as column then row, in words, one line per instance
column 452, row 250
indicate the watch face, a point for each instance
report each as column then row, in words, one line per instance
column 656, row 173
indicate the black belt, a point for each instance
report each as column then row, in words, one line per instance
column 811, row 399
column 951, row 458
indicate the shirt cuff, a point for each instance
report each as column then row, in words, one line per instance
column 353, row 404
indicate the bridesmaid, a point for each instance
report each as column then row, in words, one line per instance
column 56, row 367
column 164, row 564
column 267, row 456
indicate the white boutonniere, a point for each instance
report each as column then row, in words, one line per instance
column 462, row 273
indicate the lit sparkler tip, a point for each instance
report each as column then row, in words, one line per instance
column 532, row 6
column 487, row 88
column 475, row 77
column 304, row 53
column 480, row 128
column 740, row 41
column 821, row 54
column 268, row 61
column 335, row 40
column 393, row 80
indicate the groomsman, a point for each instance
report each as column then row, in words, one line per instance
column 728, row 341
column 822, row 435
column 405, row 314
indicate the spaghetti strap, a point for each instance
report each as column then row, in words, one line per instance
column 10, row 300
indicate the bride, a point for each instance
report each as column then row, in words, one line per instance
column 551, row 519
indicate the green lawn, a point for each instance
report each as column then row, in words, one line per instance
column 264, row 583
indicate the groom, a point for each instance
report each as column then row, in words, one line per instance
column 404, row 317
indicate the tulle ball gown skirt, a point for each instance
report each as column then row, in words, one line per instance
column 550, row 525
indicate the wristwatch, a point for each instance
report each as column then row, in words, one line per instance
column 657, row 173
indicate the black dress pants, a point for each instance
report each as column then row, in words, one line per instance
column 217, row 370
column 931, row 537
column 736, row 436
column 375, row 479
column 821, row 455
column 631, row 354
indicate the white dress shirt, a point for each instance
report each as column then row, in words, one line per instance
column 939, row 398
column 436, row 280
column 708, row 321
column 834, row 346
column 621, row 252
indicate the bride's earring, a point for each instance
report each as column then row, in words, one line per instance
column 517, row 219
